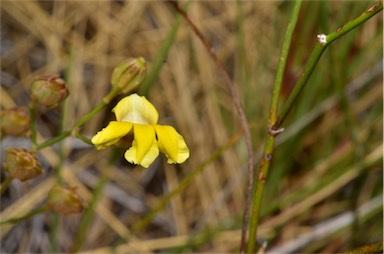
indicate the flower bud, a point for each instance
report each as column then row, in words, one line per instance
column 128, row 74
column 49, row 91
column 14, row 122
column 64, row 200
column 22, row 164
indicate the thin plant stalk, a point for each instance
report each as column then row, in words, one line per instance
column 321, row 44
column 77, row 125
column 5, row 184
column 259, row 179
column 32, row 114
column 275, row 123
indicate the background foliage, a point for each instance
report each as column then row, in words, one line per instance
column 328, row 161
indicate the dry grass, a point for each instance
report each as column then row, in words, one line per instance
column 328, row 161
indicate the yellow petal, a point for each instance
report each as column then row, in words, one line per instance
column 144, row 148
column 136, row 109
column 172, row 144
column 111, row 134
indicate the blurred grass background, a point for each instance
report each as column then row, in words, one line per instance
column 328, row 161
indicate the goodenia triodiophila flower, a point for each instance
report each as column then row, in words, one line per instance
column 136, row 115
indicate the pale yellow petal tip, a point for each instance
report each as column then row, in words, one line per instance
column 182, row 153
column 136, row 109
column 131, row 156
column 172, row 144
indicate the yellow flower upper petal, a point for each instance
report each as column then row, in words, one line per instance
column 111, row 134
column 144, row 148
column 172, row 144
column 136, row 109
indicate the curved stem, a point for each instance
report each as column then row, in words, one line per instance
column 260, row 178
column 300, row 84
column 5, row 184
column 321, row 44
column 275, row 123
column 77, row 125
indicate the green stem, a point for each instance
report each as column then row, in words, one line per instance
column 259, row 179
column 300, row 84
column 5, row 184
column 318, row 51
column 275, row 123
column 32, row 115
column 369, row 13
column 82, row 138
column 77, row 125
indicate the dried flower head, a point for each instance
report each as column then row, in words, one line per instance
column 49, row 91
column 64, row 200
column 14, row 122
column 22, row 164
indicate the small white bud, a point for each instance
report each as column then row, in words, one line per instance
column 322, row 38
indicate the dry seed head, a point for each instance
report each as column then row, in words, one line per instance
column 22, row 164
column 49, row 90
column 14, row 122
column 64, row 200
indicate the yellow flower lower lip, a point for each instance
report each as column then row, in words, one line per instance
column 144, row 148
column 111, row 134
column 149, row 137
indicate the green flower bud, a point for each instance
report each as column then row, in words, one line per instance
column 49, row 91
column 64, row 200
column 128, row 74
column 14, row 122
column 22, row 164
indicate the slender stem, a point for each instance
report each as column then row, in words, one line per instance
column 5, row 184
column 77, row 125
column 88, row 116
column 239, row 108
column 275, row 123
column 82, row 138
column 54, row 140
column 300, row 84
column 318, row 51
column 32, row 115
column 260, row 178
column 369, row 13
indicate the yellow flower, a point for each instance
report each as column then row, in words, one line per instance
column 135, row 114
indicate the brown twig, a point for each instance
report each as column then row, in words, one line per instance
column 241, row 114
